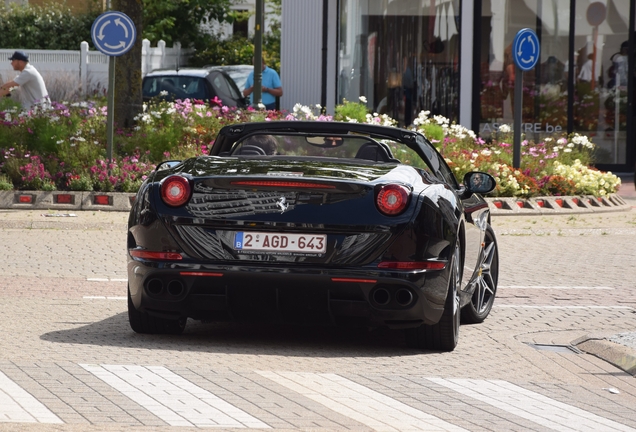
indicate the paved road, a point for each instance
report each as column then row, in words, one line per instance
column 68, row 360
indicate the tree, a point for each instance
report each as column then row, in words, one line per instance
column 180, row 20
column 128, row 96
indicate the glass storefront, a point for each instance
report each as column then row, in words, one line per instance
column 591, row 99
column 402, row 55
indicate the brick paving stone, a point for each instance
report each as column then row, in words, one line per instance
column 46, row 311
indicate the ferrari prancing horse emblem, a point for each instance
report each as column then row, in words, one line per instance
column 282, row 204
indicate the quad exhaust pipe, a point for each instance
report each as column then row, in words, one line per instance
column 383, row 297
column 156, row 287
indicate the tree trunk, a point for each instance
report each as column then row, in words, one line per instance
column 128, row 96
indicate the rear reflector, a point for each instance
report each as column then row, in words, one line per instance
column 353, row 280
column 285, row 184
column 25, row 199
column 144, row 254
column 413, row 265
column 64, row 199
column 101, row 200
column 201, row 274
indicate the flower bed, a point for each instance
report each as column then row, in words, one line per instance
column 65, row 148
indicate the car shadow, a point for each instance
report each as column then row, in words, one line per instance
column 243, row 338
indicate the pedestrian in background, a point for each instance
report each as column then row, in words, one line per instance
column 271, row 87
column 30, row 82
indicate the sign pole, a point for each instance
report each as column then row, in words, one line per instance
column 258, row 53
column 113, row 34
column 518, row 106
column 110, row 114
column 526, row 50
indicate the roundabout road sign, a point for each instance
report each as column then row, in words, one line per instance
column 526, row 49
column 113, row 33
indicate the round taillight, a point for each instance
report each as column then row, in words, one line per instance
column 175, row 191
column 392, row 199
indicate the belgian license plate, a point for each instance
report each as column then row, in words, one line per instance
column 273, row 242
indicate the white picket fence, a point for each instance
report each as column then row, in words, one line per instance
column 85, row 72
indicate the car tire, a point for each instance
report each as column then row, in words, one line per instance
column 143, row 323
column 483, row 297
column 444, row 335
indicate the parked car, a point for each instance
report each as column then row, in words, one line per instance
column 192, row 83
column 239, row 73
column 313, row 223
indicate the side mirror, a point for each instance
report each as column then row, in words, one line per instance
column 479, row 182
column 167, row 165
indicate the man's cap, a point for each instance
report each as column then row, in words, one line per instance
column 20, row 55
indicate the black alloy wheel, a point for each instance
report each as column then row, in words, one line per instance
column 483, row 297
column 444, row 335
column 143, row 323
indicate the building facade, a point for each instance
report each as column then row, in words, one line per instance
column 454, row 58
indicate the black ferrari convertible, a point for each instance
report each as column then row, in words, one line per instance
column 313, row 223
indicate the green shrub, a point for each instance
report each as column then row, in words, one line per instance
column 5, row 183
column 52, row 27
column 217, row 52
column 80, row 183
column 348, row 111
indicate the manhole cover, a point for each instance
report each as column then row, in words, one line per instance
column 556, row 348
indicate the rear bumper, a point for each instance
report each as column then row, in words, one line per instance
column 302, row 295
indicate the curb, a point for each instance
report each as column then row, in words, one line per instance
column 619, row 355
column 551, row 205
column 122, row 201
column 62, row 200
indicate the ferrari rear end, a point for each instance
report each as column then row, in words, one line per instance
column 293, row 239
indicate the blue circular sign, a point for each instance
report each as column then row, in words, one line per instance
column 113, row 33
column 526, row 49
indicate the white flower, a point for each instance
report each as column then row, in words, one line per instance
column 363, row 99
column 504, row 128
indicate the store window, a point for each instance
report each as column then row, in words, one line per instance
column 602, row 49
column 545, row 100
column 599, row 73
column 401, row 55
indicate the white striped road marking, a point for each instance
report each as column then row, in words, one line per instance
column 106, row 280
column 530, row 405
column 561, row 307
column 16, row 405
column 104, row 298
column 554, row 287
column 173, row 399
column 358, row 402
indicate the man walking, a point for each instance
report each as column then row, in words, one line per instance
column 30, row 82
